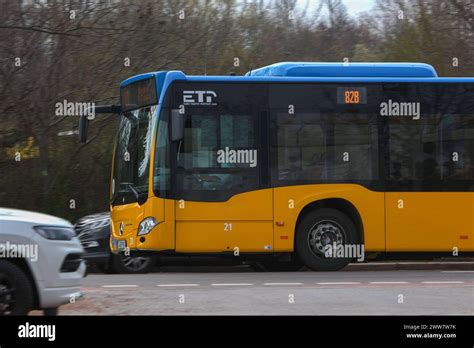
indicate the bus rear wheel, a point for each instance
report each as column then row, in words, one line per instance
column 318, row 233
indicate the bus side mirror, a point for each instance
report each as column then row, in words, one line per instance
column 177, row 125
column 97, row 109
column 83, row 126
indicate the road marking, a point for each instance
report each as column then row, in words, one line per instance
column 120, row 286
column 176, row 285
column 457, row 271
column 411, row 263
column 232, row 284
column 338, row 283
column 388, row 282
column 276, row 284
column 444, row 282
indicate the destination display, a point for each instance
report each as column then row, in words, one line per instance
column 351, row 95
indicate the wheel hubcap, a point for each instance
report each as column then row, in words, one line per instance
column 7, row 300
column 324, row 235
column 135, row 263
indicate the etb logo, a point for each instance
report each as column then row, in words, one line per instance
column 199, row 98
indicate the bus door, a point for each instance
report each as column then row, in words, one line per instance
column 221, row 204
column 430, row 203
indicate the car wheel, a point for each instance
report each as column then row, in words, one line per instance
column 16, row 293
column 319, row 230
column 129, row 264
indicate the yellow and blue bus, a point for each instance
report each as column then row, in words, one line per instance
column 295, row 159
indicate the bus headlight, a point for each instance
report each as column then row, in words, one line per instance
column 146, row 225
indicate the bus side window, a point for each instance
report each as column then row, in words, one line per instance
column 458, row 151
column 309, row 148
column 218, row 156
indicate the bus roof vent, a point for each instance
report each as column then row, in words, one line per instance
column 307, row 69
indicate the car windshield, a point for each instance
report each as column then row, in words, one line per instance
column 132, row 155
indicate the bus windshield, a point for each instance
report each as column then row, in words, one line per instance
column 132, row 156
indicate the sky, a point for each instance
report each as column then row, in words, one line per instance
column 356, row 6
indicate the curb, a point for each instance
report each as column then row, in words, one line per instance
column 411, row 266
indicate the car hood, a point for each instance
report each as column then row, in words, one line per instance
column 94, row 217
column 8, row 214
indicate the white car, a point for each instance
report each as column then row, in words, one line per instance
column 41, row 265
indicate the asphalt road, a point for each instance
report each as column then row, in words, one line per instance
column 396, row 292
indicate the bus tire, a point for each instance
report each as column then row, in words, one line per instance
column 316, row 231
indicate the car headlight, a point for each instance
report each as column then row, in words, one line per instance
column 146, row 225
column 55, row 232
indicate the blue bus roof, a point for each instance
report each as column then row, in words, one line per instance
column 307, row 69
column 314, row 72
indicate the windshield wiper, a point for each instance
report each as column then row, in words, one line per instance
column 135, row 192
column 139, row 196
